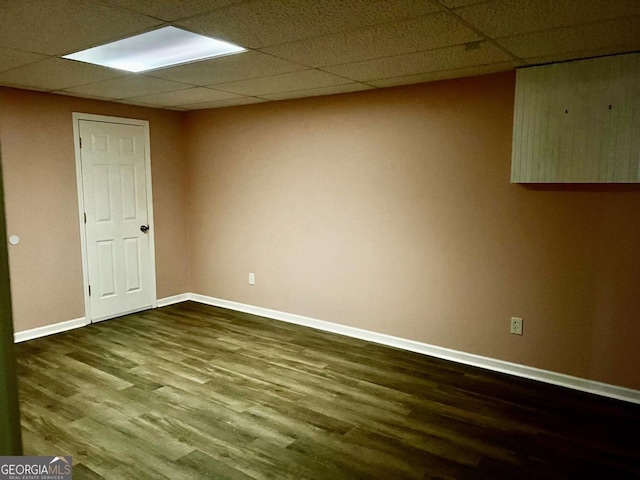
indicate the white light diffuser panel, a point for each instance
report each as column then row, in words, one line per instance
column 156, row 49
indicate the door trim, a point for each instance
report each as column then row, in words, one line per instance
column 83, row 236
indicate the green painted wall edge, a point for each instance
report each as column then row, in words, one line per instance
column 10, row 436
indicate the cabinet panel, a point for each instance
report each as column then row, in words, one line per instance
column 578, row 122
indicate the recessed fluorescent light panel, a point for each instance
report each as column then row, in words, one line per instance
column 164, row 47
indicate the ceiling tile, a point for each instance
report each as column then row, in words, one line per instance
column 63, row 26
column 314, row 92
column 224, row 103
column 56, row 74
column 512, row 17
column 445, row 74
column 581, row 54
column 183, row 97
column 308, row 47
column 78, row 95
column 285, row 82
column 127, row 101
column 261, row 23
column 128, row 87
column 421, row 62
column 170, row 10
column 227, row 69
column 601, row 35
column 421, row 33
column 10, row 58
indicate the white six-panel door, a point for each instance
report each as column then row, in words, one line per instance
column 117, row 232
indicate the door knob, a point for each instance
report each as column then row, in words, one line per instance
column 144, row 228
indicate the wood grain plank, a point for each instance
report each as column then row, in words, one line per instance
column 193, row 391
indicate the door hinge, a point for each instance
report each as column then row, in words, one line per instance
column 85, row 217
column 89, row 290
column 81, row 142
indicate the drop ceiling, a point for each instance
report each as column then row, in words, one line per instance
column 302, row 48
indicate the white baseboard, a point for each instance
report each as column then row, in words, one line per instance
column 48, row 330
column 546, row 376
column 164, row 302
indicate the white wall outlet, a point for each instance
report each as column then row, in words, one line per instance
column 516, row 325
column 252, row 279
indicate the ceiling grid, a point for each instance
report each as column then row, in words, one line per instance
column 301, row 48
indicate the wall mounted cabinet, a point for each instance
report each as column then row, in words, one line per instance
column 578, row 122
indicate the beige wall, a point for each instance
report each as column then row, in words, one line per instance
column 392, row 211
column 42, row 202
column 388, row 210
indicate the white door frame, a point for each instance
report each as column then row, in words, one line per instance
column 83, row 234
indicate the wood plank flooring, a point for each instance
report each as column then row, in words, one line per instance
column 197, row 392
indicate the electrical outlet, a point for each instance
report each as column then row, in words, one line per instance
column 252, row 279
column 516, row 325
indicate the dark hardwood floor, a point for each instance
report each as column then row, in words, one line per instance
column 192, row 391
